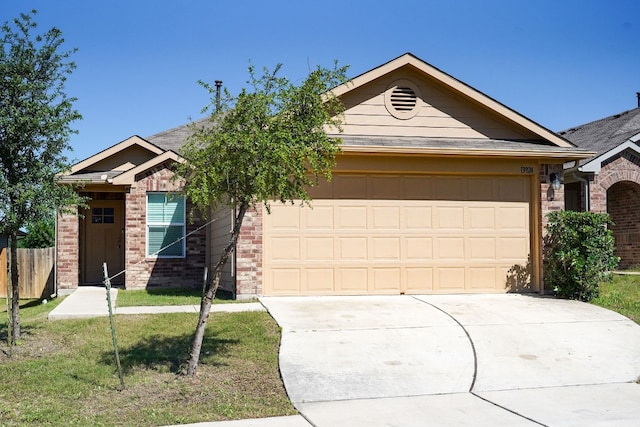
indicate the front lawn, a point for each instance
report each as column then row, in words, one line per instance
column 166, row 296
column 622, row 294
column 63, row 372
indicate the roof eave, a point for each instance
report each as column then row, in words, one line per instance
column 594, row 165
column 468, row 152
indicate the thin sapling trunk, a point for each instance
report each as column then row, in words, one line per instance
column 210, row 293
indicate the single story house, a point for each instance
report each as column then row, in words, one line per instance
column 438, row 189
column 610, row 180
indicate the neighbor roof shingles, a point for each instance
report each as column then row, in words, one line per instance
column 605, row 134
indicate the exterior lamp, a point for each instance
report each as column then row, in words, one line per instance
column 555, row 181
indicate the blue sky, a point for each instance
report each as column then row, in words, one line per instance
column 560, row 62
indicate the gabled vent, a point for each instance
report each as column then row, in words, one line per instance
column 403, row 99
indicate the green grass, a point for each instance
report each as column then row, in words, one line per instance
column 63, row 372
column 165, row 296
column 622, row 294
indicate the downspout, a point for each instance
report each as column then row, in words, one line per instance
column 587, row 193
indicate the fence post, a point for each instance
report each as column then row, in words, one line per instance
column 107, row 284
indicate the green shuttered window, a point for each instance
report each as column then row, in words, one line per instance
column 165, row 225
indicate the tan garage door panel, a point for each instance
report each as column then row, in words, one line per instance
column 393, row 234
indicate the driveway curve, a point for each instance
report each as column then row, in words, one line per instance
column 457, row 360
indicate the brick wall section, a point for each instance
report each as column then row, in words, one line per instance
column 616, row 190
column 68, row 252
column 249, row 254
column 550, row 200
column 621, row 168
column 142, row 272
column 623, row 204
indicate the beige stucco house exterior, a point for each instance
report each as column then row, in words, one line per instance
column 438, row 189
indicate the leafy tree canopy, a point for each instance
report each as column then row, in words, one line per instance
column 268, row 143
column 35, row 117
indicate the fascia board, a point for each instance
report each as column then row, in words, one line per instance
column 467, row 152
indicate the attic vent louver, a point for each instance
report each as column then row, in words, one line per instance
column 402, row 99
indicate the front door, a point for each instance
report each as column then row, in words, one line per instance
column 103, row 241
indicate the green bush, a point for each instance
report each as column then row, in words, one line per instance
column 40, row 234
column 578, row 253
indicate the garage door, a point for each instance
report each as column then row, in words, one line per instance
column 384, row 234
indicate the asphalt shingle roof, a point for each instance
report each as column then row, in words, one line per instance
column 605, row 134
column 174, row 139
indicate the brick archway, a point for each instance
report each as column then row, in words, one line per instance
column 623, row 204
column 618, row 176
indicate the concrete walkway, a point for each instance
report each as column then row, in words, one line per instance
column 91, row 301
column 453, row 360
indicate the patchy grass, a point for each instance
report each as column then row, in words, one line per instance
column 622, row 294
column 166, row 296
column 63, row 372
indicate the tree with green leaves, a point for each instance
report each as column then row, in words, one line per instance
column 270, row 143
column 40, row 233
column 35, row 118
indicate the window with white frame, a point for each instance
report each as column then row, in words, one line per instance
column 165, row 225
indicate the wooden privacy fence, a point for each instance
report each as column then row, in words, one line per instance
column 35, row 270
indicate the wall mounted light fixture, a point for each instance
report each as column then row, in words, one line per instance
column 554, row 185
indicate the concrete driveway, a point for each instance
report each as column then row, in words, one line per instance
column 452, row 360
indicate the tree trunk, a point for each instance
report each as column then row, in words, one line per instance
column 15, row 290
column 212, row 288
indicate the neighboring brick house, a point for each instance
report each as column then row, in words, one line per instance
column 610, row 180
column 438, row 189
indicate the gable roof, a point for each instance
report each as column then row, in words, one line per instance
column 605, row 134
column 162, row 147
column 465, row 91
column 113, row 150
